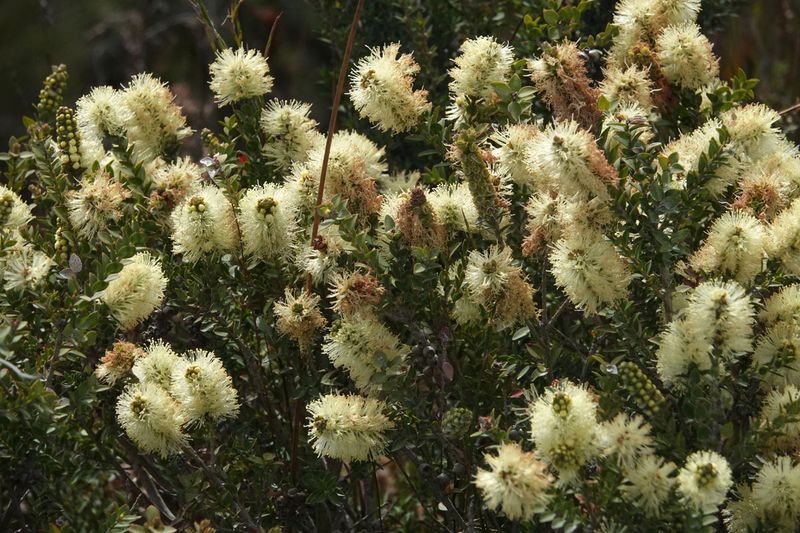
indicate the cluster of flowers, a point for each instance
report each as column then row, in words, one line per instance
column 170, row 393
column 559, row 173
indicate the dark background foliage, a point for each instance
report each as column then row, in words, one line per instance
column 106, row 41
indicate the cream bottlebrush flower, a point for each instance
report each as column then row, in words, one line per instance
column 14, row 213
column 777, row 356
column 466, row 311
column 417, row 221
column 153, row 123
column 515, row 482
column 136, row 291
column 627, row 85
column 783, row 306
column 722, row 313
column 152, row 419
column 561, row 77
column 510, row 152
column 99, row 114
column 649, row 483
column 627, row 438
column 156, row 365
column 569, row 159
column 454, row 207
column 204, row 223
column 203, row 387
column 488, row 272
column 97, row 202
column 355, row 293
column 704, row 480
column 685, row 57
column 752, row 130
column 382, row 89
column 762, row 192
column 544, row 226
column 291, row 133
column 170, row 183
column 784, row 238
column 734, row 248
column 365, row 348
column 321, row 258
column 779, row 414
column 589, row 269
column 348, row 428
column 117, row 362
column 238, row 75
column 267, row 221
column 650, row 16
column 564, row 428
column 299, row 317
column 354, row 167
column 398, row 182
column 24, row 267
column 480, row 62
column 690, row 147
column 776, row 490
column 718, row 315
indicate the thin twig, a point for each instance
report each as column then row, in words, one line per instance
column 272, row 34
column 16, row 371
column 337, row 98
column 790, row 109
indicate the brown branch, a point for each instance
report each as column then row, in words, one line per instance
column 272, row 34
column 337, row 98
column 790, row 109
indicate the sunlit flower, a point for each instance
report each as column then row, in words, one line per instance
column 299, row 317
column 454, row 207
column 24, row 267
column 96, row 203
column 355, row 293
column 117, row 362
column 515, row 482
column 136, row 291
column 776, row 489
column 784, row 237
column 779, row 415
column 152, row 419
column 570, row 161
column 589, row 269
column 783, row 306
column 203, row 387
column 239, row 74
column 153, row 123
column 382, row 89
column 204, row 223
column 627, row 85
column 627, row 438
column 511, row 146
column 564, row 428
column 777, row 356
column 267, row 221
column 14, row 213
column 156, row 365
column 99, row 114
column 348, row 428
column 291, row 133
column 365, row 348
column 172, row 182
column 734, row 247
column 704, row 480
column 480, row 62
column 649, row 483
column 685, row 57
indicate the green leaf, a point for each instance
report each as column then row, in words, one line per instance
column 521, row 333
column 550, row 16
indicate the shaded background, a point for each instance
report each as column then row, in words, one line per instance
column 106, row 41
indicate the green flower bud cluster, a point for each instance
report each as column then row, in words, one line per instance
column 6, row 205
column 641, row 389
column 52, row 93
column 62, row 247
column 457, row 423
column 68, row 139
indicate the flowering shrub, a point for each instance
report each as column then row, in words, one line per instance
column 577, row 310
